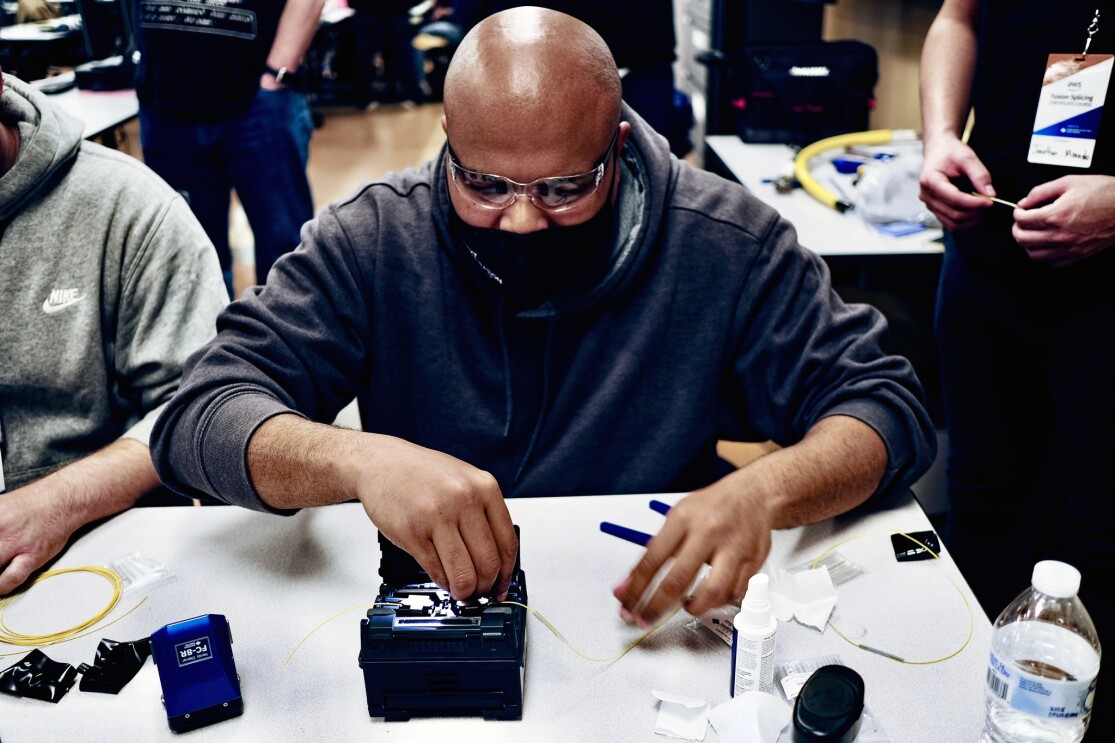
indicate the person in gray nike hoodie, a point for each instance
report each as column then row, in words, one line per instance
column 589, row 321
column 107, row 283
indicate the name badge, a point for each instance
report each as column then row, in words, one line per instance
column 1069, row 109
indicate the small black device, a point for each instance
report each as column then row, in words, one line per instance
column 907, row 550
column 424, row 653
column 829, row 706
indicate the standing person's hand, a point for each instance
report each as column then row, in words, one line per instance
column 447, row 514
column 1067, row 220
column 949, row 158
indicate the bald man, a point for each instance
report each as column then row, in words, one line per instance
column 552, row 306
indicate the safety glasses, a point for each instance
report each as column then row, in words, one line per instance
column 554, row 194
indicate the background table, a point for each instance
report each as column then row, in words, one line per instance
column 276, row 578
column 821, row 229
column 102, row 111
column 27, row 50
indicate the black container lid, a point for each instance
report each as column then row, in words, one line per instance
column 829, row 706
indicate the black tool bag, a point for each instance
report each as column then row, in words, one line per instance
column 799, row 92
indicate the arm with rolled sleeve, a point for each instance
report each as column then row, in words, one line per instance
column 237, row 430
column 805, row 355
column 810, row 375
column 293, row 347
column 171, row 293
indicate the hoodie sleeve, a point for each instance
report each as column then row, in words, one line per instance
column 294, row 346
column 172, row 291
column 803, row 355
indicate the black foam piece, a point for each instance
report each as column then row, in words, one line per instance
column 38, row 677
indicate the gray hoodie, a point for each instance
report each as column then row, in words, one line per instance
column 707, row 321
column 107, row 283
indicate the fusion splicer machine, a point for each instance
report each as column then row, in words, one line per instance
column 424, row 653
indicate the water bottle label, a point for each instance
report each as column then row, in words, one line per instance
column 1036, row 695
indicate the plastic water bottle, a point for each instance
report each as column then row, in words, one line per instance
column 1041, row 678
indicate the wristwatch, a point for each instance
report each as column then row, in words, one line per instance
column 283, row 76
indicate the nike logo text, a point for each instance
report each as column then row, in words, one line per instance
column 60, row 299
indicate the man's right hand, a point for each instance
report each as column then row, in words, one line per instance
column 449, row 515
column 945, row 159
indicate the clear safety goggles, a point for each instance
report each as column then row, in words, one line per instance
column 550, row 194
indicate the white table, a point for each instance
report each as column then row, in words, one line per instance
column 276, row 578
column 102, row 111
column 821, row 229
column 53, row 30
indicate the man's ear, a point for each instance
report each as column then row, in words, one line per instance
column 444, row 125
column 624, row 133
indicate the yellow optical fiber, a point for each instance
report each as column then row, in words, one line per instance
column 90, row 632
column 327, row 621
column 610, row 658
column 877, row 651
column 537, row 614
column 11, row 637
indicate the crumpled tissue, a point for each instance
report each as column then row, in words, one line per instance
column 681, row 717
column 751, row 717
column 808, row 596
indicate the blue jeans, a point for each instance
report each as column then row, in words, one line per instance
column 261, row 152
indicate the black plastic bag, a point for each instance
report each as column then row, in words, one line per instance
column 116, row 664
column 38, row 677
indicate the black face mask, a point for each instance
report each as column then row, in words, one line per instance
column 532, row 267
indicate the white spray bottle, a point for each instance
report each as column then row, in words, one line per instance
column 753, row 632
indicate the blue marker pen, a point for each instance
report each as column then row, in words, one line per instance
column 638, row 537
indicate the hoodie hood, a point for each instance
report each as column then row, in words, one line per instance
column 647, row 175
column 49, row 138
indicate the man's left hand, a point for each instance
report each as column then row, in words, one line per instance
column 720, row 525
column 1076, row 221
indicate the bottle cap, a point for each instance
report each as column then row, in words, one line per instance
column 829, row 707
column 1057, row 579
column 754, row 612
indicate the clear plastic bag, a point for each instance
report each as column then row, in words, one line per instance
column 888, row 191
column 140, row 570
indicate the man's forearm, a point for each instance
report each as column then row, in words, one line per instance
column 295, row 463
column 296, row 30
column 836, row 467
column 37, row 519
column 947, row 65
column 102, row 484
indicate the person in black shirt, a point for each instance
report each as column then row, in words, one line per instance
column 1026, row 308
column 218, row 110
